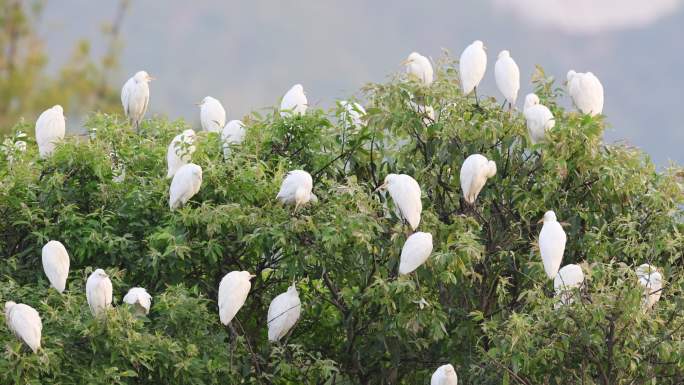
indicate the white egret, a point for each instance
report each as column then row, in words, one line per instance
column 294, row 101
column 419, row 67
column 296, row 189
column 24, row 321
column 415, row 252
column 353, row 114
column 507, row 76
column 586, row 92
column 472, row 67
column 569, row 277
column 50, row 128
column 135, row 97
column 180, row 151
column 538, row 117
column 283, row 313
column 56, row 264
column 99, row 292
column 475, row 171
column 232, row 294
column 233, row 133
column 405, row 193
column 552, row 240
column 139, row 299
column 444, row 375
column 184, row 185
column 652, row 281
column 427, row 112
column 212, row 114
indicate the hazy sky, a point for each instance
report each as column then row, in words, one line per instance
column 247, row 54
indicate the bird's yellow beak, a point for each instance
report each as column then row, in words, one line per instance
column 150, row 78
column 405, row 62
column 564, row 224
column 252, row 276
column 382, row 187
column 198, row 103
column 540, row 221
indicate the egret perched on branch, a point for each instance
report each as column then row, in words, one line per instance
column 552, row 240
column 652, row 281
column 139, row 299
column 212, row 114
column 185, row 184
column 586, row 92
column 419, row 67
column 296, row 189
column 232, row 294
column 233, row 133
column 24, row 322
column 353, row 114
column 50, row 128
column 538, row 117
column 294, row 101
column 405, row 193
column 56, row 264
column 415, row 252
column 507, row 76
column 98, row 292
column 283, row 313
column 427, row 112
column 569, row 277
column 472, row 67
column 135, row 97
column 180, row 151
column 475, row 171
column 444, row 375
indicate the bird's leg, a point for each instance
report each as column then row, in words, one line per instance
column 231, row 347
column 503, row 105
column 477, row 102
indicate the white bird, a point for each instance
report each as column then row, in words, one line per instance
column 232, row 294
column 212, row 114
column 135, row 97
column 586, row 92
column 507, row 76
column 24, row 321
column 50, row 128
column 56, row 264
column 184, row 185
column 538, row 117
column 415, row 252
column 427, row 112
column 294, row 101
column 180, row 151
column 475, row 171
column 552, row 240
column 569, row 277
column 283, row 313
column 353, row 114
column 652, row 281
column 444, row 375
column 233, row 133
column 405, row 193
column 472, row 67
column 99, row 292
column 419, row 67
column 140, row 299
column 296, row 189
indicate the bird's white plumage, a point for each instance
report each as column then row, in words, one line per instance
column 569, row 277
column 406, row 194
column 552, row 240
column 233, row 291
column 538, row 117
column 472, row 66
column 283, row 313
column 353, row 114
column 135, row 97
column 415, row 252
column 296, row 188
column 427, row 112
column 233, row 133
column 507, row 76
column 652, row 282
column 475, row 171
column 180, row 151
column 586, row 92
column 140, row 299
column 99, row 292
column 294, row 101
column 24, row 321
column 212, row 114
column 50, row 129
column 184, row 185
column 444, row 375
column 420, row 68
column 56, row 264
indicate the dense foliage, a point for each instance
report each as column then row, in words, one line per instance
column 481, row 302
